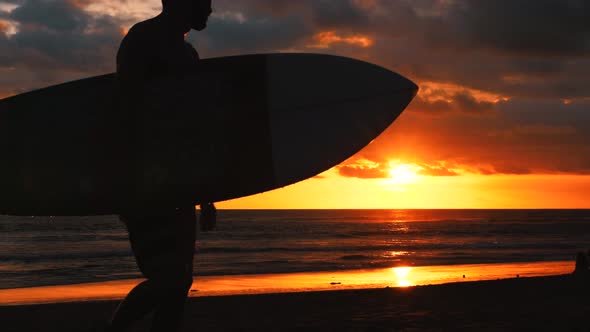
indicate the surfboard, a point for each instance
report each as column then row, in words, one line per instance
column 240, row 126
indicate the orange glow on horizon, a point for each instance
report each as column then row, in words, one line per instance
column 466, row 191
column 402, row 274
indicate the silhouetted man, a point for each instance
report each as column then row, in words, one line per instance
column 162, row 236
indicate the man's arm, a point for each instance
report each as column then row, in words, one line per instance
column 132, row 64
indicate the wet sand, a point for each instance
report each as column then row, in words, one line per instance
column 556, row 303
column 294, row 282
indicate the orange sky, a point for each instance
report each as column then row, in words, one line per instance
column 408, row 172
column 332, row 191
column 475, row 191
column 502, row 119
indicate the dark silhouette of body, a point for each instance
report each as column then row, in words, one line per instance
column 162, row 236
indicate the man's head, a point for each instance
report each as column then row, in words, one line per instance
column 192, row 12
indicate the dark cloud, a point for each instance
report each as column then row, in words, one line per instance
column 279, row 25
column 465, row 101
column 56, row 15
column 512, row 51
column 339, row 15
column 524, row 48
column 444, row 103
column 516, row 27
column 525, row 27
column 226, row 36
column 56, row 41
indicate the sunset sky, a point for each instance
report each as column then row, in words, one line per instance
column 502, row 119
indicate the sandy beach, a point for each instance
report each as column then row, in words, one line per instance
column 554, row 303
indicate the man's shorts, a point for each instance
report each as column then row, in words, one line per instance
column 163, row 241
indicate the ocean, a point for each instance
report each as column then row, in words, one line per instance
column 38, row 251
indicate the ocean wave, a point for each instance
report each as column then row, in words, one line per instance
column 60, row 250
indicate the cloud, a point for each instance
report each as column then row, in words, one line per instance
column 4, row 26
column 364, row 169
column 494, row 74
column 441, row 102
column 55, row 41
column 227, row 35
column 511, row 169
column 519, row 136
column 517, row 48
column 521, row 48
column 59, row 16
column 531, row 28
column 438, row 169
column 362, row 172
column 340, row 15
column 381, row 169
column 328, row 38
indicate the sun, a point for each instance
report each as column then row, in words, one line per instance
column 402, row 174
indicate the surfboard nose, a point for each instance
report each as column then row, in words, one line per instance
column 324, row 109
column 303, row 80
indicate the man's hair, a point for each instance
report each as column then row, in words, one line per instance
column 169, row 2
column 166, row 3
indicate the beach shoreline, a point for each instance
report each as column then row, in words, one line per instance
column 402, row 276
column 550, row 303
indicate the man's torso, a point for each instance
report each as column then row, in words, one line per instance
column 148, row 53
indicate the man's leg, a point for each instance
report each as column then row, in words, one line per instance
column 140, row 301
column 175, row 284
column 165, row 294
column 169, row 312
column 164, row 250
